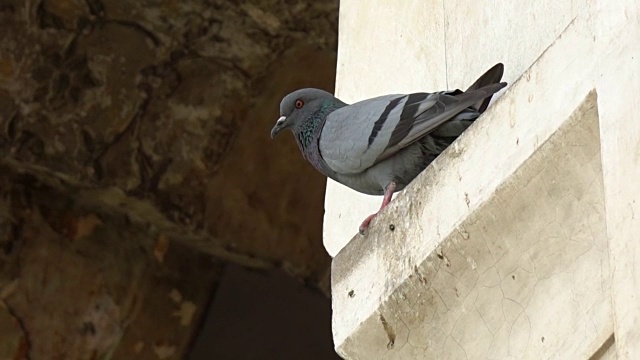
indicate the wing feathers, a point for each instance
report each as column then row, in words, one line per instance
column 444, row 108
column 383, row 118
column 357, row 136
column 413, row 106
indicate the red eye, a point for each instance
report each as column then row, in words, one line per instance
column 299, row 104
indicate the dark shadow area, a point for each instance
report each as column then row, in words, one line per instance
column 265, row 315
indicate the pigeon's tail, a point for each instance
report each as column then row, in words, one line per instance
column 491, row 76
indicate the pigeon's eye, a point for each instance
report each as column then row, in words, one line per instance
column 299, row 104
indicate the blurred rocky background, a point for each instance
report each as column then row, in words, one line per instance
column 139, row 186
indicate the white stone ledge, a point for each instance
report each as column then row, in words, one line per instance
column 426, row 289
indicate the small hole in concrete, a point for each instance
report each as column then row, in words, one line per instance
column 542, row 339
column 513, row 277
column 440, row 256
column 352, row 293
column 392, row 227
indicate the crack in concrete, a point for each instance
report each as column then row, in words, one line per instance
column 391, row 335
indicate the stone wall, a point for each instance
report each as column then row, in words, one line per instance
column 135, row 160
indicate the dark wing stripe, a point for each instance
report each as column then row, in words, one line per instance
column 383, row 117
column 455, row 92
column 407, row 118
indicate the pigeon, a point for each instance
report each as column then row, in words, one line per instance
column 379, row 145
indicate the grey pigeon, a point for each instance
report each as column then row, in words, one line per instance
column 378, row 146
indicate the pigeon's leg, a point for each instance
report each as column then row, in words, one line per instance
column 388, row 194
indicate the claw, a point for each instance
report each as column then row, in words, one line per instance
column 388, row 194
column 365, row 224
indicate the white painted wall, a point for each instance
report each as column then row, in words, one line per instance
column 389, row 46
column 558, row 54
column 377, row 57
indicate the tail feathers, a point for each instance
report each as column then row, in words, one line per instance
column 491, row 76
column 460, row 122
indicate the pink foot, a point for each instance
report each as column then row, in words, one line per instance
column 365, row 224
column 388, row 194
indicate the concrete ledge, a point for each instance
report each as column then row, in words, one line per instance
column 501, row 248
column 486, row 289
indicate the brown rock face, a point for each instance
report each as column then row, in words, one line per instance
column 134, row 148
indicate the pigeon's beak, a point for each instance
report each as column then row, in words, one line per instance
column 279, row 126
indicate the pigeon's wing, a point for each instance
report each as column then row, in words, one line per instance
column 349, row 142
column 358, row 136
column 443, row 107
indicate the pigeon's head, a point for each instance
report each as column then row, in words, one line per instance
column 298, row 107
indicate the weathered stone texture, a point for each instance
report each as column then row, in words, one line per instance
column 143, row 126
